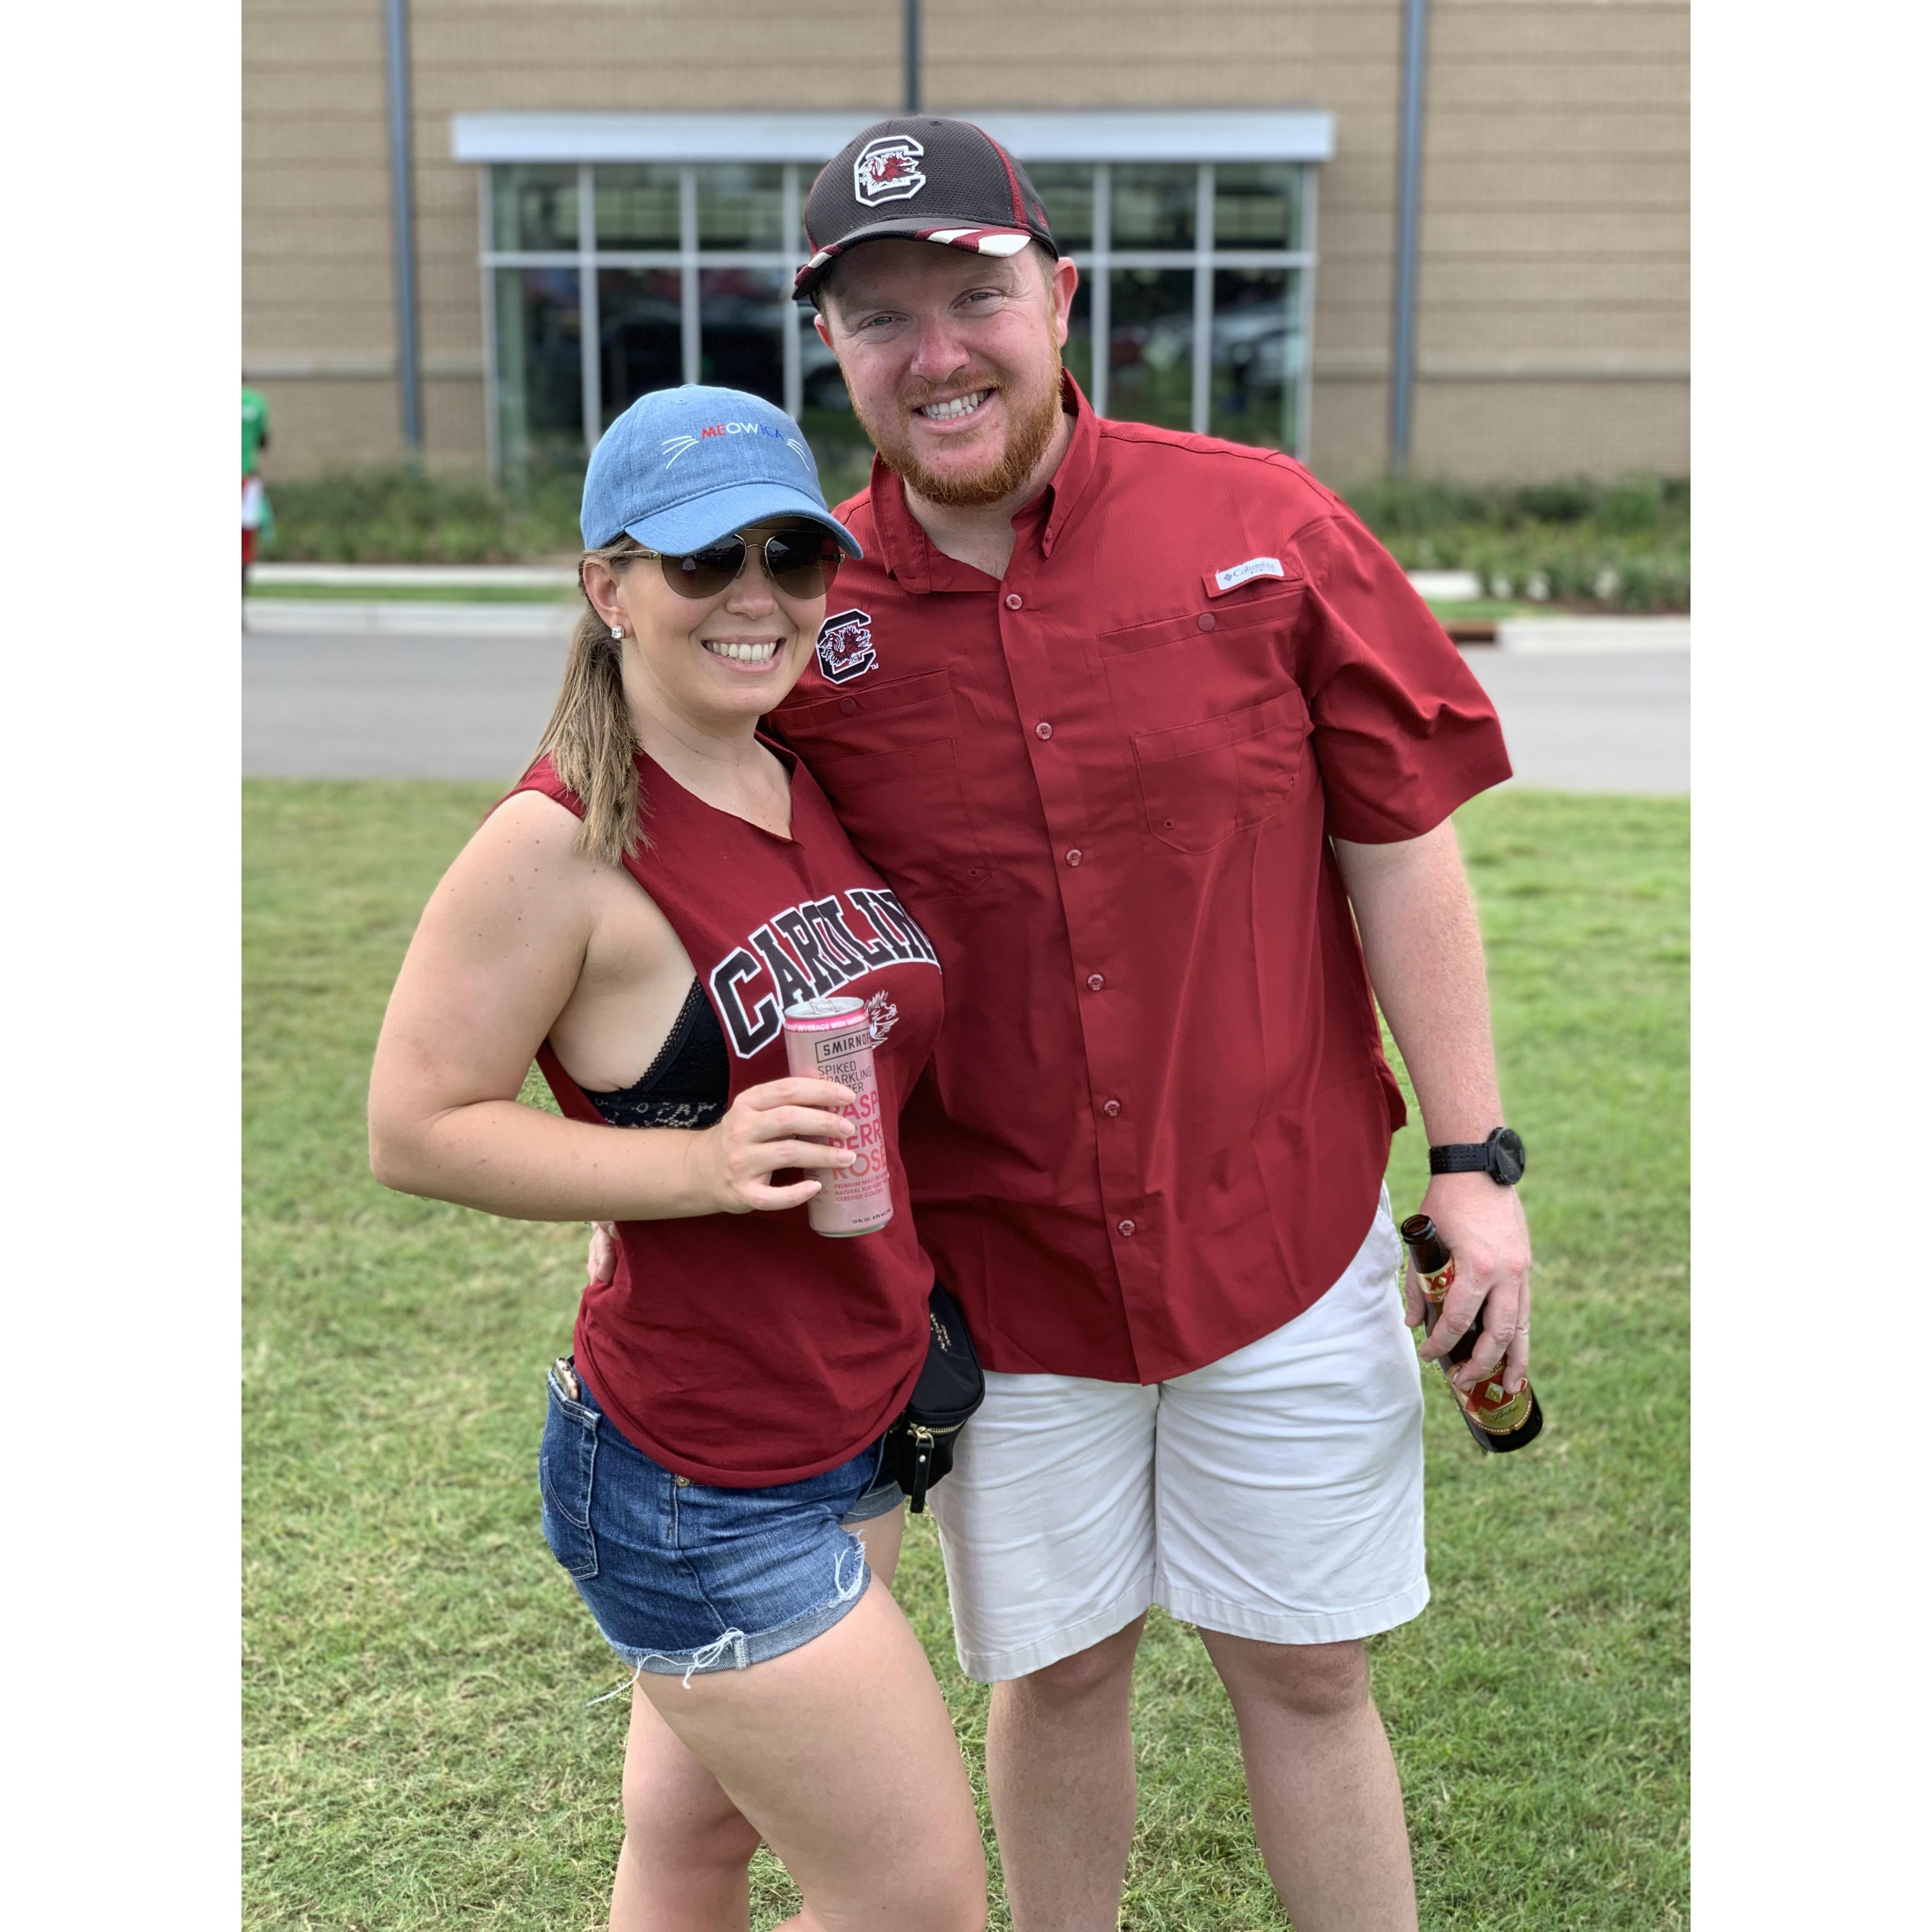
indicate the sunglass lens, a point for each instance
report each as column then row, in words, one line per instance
column 803, row 562
column 705, row 572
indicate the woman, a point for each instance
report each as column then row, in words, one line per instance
column 635, row 915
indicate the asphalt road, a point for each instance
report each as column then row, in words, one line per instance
column 452, row 703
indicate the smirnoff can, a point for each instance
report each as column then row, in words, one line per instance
column 832, row 1040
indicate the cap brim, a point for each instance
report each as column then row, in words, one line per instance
column 977, row 238
column 703, row 519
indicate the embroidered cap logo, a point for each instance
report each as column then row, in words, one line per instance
column 887, row 169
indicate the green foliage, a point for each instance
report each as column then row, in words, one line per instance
column 421, row 1751
column 406, row 516
column 1622, row 543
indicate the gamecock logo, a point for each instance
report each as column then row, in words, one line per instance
column 845, row 647
column 887, row 169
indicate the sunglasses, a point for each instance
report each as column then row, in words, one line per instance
column 801, row 563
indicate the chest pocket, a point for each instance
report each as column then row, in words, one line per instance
column 1201, row 783
column 885, row 756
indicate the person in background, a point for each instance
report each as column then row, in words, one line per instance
column 713, row 1466
column 258, row 517
column 1160, row 747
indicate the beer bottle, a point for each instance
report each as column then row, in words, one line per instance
column 1498, row 1420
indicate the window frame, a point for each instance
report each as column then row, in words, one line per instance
column 1300, row 138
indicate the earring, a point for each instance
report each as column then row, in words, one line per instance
column 617, row 633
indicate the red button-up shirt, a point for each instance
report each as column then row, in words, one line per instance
column 1157, row 1118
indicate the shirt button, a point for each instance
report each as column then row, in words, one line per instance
column 1110, row 1108
column 1073, row 857
column 1043, row 730
column 1095, row 981
column 848, row 705
column 1127, row 1227
column 1014, row 600
column 1206, row 620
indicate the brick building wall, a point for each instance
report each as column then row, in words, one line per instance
column 1552, row 312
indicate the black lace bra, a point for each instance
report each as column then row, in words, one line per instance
column 688, row 1084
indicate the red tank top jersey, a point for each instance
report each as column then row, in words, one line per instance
column 743, row 1349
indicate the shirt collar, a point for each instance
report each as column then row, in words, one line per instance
column 909, row 554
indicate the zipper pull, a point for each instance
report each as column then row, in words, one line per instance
column 921, row 1466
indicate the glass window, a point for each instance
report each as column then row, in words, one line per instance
column 1257, row 204
column 641, row 324
column 534, row 207
column 1249, row 378
column 1256, row 356
column 742, row 319
column 1067, row 187
column 741, row 207
column 540, row 370
column 837, row 441
column 637, row 207
column 1153, row 205
column 1151, row 357
column 1078, row 356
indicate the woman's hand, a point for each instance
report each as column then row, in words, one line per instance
column 733, row 1163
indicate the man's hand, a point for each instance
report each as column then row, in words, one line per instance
column 1483, row 1225
column 602, row 1260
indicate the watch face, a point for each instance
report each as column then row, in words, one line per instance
column 1506, row 1157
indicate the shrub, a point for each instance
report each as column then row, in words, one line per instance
column 1623, row 542
column 402, row 515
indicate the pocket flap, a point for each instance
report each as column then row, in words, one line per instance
column 1187, row 741
column 870, row 717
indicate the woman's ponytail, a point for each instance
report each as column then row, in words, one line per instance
column 589, row 736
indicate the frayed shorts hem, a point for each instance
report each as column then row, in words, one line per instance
column 738, row 1650
column 998, row 1667
column 1206, row 1612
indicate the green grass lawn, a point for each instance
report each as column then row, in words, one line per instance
column 420, row 1751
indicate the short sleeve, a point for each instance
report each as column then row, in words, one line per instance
column 1403, row 733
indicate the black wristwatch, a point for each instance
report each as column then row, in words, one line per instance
column 1502, row 1157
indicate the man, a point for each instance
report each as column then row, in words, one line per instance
column 1135, row 721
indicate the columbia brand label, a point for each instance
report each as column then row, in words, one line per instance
column 887, row 169
column 1236, row 575
column 845, row 647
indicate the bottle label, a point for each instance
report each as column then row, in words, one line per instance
column 1489, row 1405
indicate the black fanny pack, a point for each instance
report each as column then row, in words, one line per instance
column 951, row 1386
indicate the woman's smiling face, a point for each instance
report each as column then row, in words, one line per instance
column 719, row 661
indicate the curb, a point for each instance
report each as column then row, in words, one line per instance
column 302, row 616
column 1593, row 637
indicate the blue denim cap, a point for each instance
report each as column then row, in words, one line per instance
column 681, row 468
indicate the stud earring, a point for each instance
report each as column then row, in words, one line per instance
column 617, row 633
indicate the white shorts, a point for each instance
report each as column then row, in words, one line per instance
column 1274, row 1494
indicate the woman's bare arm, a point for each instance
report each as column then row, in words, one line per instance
column 494, row 959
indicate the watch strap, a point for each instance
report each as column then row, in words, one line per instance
column 1460, row 1157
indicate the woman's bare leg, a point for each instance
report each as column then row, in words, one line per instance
column 687, row 1848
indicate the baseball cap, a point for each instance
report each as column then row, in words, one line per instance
column 681, row 468
column 920, row 179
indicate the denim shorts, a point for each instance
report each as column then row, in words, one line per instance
column 683, row 1578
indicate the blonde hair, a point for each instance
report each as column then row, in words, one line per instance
column 589, row 736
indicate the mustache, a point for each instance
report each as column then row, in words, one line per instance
column 933, row 392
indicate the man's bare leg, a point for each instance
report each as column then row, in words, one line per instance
column 1321, row 1782
column 1059, row 1769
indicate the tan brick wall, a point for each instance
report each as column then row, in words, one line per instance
column 1554, row 243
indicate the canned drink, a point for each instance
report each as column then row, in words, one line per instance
column 832, row 1040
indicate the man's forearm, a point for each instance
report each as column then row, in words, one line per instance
column 1424, row 950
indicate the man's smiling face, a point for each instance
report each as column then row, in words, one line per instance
column 953, row 360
